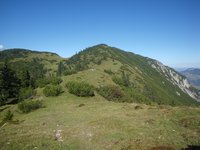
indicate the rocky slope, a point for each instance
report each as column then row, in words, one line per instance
column 193, row 76
column 175, row 78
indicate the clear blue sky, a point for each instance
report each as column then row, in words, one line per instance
column 167, row 30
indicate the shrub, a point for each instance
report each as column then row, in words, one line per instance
column 48, row 80
column 42, row 82
column 110, row 92
column 55, row 80
column 52, row 90
column 81, row 89
column 8, row 116
column 123, row 80
column 69, row 72
column 98, row 61
column 108, row 71
column 117, row 80
column 26, row 93
column 81, row 105
column 27, row 106
column 138, row 107
column 2, row 101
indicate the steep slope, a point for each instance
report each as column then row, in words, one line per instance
column 193, row 76
column 149, row 80
column 176, row 79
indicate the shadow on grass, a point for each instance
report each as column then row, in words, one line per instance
column 192, row 147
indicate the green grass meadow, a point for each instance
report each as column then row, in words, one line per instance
column 68, row 122
column 94, row 123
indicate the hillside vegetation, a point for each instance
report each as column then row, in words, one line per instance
column 100, row 98
column 138, row 78
column 94, row 123
column 103, row 65
column 38, row 63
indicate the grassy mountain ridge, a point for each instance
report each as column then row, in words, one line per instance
column 19, row 52
column 98, row 122
column 149, row 83
column 141, row 79
column 34, row 61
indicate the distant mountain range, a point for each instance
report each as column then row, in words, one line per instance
column 193, row 76
column 141, row 79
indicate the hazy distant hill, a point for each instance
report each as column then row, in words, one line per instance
column 193, row 76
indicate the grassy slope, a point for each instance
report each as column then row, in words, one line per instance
column 100, row 124
column 166, row 93
column 96, row 75
column 141, row 74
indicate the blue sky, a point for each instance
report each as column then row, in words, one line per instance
column 166, row 30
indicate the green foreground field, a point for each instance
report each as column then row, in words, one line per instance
column 94, row 123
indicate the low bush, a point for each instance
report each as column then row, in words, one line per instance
column 123, row 80
column 55, row 80
column 29, row 105
column 26, row 93
column 2, row 101
column 48, row 80
column 52, row 90
column 108, row 71
column 69, row 72
column 8, row 116
column 81, row 89
column 117, row 80
column 81, row 105
column 110, row 92
column 138, row 107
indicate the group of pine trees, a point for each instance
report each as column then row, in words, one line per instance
column 18, row 84
column 11, row 83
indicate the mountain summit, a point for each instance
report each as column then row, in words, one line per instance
column 149, row 80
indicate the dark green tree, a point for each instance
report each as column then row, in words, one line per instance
column 26, row 79
column 61, row 69
column 125, row 79
column 9, row 84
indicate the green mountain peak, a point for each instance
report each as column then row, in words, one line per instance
column 140, row 79
column 151, row 80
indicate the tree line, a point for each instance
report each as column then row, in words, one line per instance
column 11, row 83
